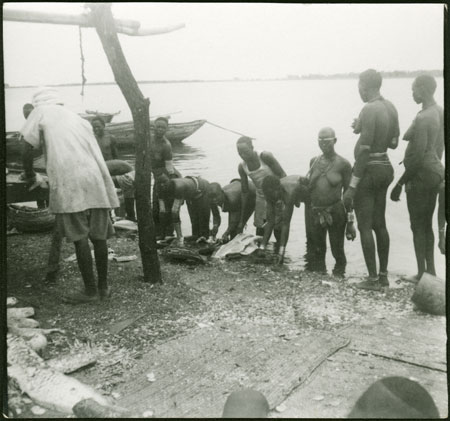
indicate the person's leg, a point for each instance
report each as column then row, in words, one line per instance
column 75, row 227
column 168, row 228
column 309, row 255
column 129, row 208
column 381, row 233
column 364, row 204
column 84, row 260
column 204, row 215
column 193, row 215
column 417, row 208
column 233, row 222
column 277, row 235
column 319, row 246
column 336, row 234
column 429, row 248
column 383, row 178
column 101, row 262
column 54, row 256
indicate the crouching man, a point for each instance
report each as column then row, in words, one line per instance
column 229, row 198
column 281, row 196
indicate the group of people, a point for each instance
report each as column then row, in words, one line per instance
column 84, row 171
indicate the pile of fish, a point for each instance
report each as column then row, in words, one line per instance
column 45, row 381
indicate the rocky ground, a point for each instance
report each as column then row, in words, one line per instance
column 225, row 293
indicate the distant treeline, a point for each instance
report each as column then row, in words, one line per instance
column 393, row 74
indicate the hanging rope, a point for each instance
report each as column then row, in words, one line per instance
column 83, row 78
column 228, row 130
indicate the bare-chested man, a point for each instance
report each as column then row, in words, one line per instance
column 229, row 198
column 281, row 196
column 329, row 177
column 193, row 190
column 424, row 172
column 162, row 163
column 372, row 173
column 257, row 167
column 106, row 142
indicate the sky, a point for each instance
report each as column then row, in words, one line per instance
column 228, row 40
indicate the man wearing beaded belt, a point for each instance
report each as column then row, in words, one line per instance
column 372, row 173
column 329, row 175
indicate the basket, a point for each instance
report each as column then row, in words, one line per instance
column 27, row 219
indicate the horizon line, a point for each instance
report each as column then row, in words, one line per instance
column 292, row 77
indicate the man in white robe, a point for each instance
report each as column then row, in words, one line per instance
column 81, row 189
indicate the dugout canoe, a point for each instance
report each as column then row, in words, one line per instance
column 123, row 132
column 176, row 132
column 90, row 115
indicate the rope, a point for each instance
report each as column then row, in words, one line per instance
column 229, row 130
column 83, row 78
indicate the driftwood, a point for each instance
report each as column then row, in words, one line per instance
column 44, row 381
column 89, row 408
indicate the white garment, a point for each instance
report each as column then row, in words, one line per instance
column 244, row 244
column 78, row 176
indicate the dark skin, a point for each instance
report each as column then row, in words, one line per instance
column 250, row 157
column 231, row 193
column 376, row 134
column 161, row 150
column 184, row 189
column 441, row 219
column 288, row 193
column 427, row 131
column 106, row 142
column 330, row 176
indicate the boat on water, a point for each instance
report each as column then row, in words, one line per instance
column 176, row 132
column 90, row 115
column 123, row 133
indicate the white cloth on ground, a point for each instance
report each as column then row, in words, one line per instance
column 244, row 244
column 78, row 176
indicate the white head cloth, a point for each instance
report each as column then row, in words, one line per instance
column 46, row 96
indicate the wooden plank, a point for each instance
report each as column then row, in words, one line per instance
column 416, row 339
column 195, row 374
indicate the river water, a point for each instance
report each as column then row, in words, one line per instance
column 284, row 117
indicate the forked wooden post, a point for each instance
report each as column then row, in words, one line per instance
column 104, row 24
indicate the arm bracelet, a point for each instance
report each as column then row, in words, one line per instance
column 350, row 217
column 354, row 181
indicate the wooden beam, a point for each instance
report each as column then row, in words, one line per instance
column 123, row 26
column 139, row 106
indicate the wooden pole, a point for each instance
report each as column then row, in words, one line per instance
column 139, row 106
column 124, row 26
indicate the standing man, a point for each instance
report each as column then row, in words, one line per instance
column 329, row 177
column 124, row 181
column 424, row 172
column 162, row 163
column 81, row 189
column 229, row 199
column 372, row 173
column 257, row 167
column 106, row 142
